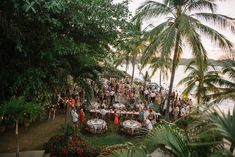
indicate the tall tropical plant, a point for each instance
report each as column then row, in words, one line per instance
column 182, row 25
column 226, row 83
column 15, row 109
column 205, row 137
column 161, row 63
column 134, row 47
column 199, row 80
column 224, row 124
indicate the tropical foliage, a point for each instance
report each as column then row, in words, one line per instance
column 182, row 26
column 209, row 135
column 44, row 42
column 226, row 83
column 199, row 80
column 16, row 109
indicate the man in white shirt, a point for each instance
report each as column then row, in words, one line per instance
column 103, row 112
column 148, row 124
column 74, row 117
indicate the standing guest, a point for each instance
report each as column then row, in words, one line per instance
column 81, row 116
column 152, row 96
column 52, row 110
column 71, row 102
column 115, row 118
column 141, row 116
column 122, row 89
column 146, row 94
column 176, row 111
column 74, row 117
column 77, row 102
column 129, row 93
column 112, row 97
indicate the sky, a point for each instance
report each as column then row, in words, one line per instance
column 225, row 7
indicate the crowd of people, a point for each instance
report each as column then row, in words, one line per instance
column 149, row 101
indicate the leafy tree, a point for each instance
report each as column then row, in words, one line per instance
column 15, row 109
column 200, row 79
column 45, row 41
column 182, row 25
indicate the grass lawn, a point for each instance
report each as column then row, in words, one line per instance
column 112, row 137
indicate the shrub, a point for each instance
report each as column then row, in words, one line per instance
column 76, row 147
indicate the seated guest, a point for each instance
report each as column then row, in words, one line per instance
column 96, row 104
column 148, row 124
column 152, row 115
column 103, row 111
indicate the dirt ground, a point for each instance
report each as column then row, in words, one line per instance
column 33, row 137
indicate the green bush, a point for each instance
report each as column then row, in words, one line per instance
column 76, row 147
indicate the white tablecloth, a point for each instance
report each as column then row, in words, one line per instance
column 96, row 124
column 119, row 106
column 132, row 124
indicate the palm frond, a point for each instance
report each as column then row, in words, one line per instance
column 218, row 19
column 201, row 4
column 215, row 36
column 152, row 9
column 171, row 137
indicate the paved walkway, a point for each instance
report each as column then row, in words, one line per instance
column 32, row 138
column 37, row 153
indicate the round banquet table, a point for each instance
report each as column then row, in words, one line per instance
column 131, row 124
column 96, row 124
column 119, row 106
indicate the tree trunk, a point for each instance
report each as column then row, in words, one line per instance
column 160, row 78
column 17, row 140
column 133, row 71
column 231, row 148
column 66, row 122
column 174, row 64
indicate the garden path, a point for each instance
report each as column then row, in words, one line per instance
column 32, row 138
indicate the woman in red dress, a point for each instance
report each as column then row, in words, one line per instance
column 81, row 115
column 121, row 90
column 115, row 118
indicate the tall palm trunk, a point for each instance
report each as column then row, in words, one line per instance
column 160, row 78
column 66, row 122
column 17, row 139
column 172, row 74
column 133, row 71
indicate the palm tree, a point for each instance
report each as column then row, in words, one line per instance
column 227, row 86
column 158, row 63
column 135, row 47
column 200, row 79
column 15, row 109
column 182, row 26
column 122, row 57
